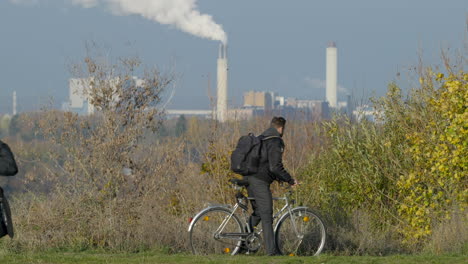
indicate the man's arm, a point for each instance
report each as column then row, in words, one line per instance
column 275, row 160
column 7, row 161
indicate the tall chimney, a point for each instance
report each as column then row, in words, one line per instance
column 332, row 74
column 14, row 103
column 222, row 79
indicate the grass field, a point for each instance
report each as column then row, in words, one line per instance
column 90, row 257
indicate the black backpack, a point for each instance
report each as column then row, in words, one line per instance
column 246, row 157
column 7, row 161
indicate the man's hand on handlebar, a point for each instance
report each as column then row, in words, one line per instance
column 296, row 183
column 292, row 183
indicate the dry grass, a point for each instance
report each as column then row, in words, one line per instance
column 450, row 235
column 184, row 175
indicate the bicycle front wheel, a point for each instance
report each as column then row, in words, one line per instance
column 300, row 233
column 216, row 231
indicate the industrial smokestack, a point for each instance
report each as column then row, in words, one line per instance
column 222, row 79
column 14, row 103
column 332, row 74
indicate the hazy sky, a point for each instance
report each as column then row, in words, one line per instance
column 274, row 45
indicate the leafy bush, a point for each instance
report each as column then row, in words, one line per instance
column 407, row 171
column 436, row 185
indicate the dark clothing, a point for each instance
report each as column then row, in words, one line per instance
column 7, row 168
column 270, row 169
column 7, row 161
column 6, row 225
column 3, row 228
column 271, row 162
column 263, row 210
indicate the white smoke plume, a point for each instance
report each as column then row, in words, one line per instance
column 182, row 14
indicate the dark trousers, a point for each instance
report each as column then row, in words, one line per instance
column 263, row 210
column 3, row 229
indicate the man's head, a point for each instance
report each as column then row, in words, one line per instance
column 279, row 123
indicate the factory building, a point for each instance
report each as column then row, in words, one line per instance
column 80, row 99
column 263, row 100
column 260, row 103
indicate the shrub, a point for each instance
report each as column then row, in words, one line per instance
column 437, row 183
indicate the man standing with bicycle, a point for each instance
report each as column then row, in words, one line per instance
column 218, row 229
column 270, row 169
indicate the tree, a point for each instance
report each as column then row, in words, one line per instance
column 162, row 131
column 4, row 125
column 98, row 147
column 181, row 126
column 436, row 187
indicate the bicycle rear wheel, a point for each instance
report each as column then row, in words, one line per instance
column 301, row 233
column 216, row 231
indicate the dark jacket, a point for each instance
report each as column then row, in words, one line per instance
column 271, row 162
column 7, row 161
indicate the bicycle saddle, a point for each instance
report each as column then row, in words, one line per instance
column 239, row 182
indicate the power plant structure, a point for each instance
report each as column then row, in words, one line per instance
column 222, row 85
column 332, row 75
column 261, row 103
column 14, row 103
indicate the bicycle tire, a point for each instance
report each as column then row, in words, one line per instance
column 312, row 233
column 203, row 240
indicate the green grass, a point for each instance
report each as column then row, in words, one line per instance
column 90, row 257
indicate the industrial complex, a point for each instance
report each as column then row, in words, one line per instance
column 258, row 103
column 254, row 103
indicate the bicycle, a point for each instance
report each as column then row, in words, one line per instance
column 217, row 229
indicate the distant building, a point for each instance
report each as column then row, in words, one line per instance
column 316, row 108
column 279, row 101
column 80, row 94
column 270, row 103
column 320, row 110
column 342, row 106
column 176, row 113
column 346, row 107
column 349, row 106
column 365, row 112
column 290, row 101
column 242, row 113
column 263, row 100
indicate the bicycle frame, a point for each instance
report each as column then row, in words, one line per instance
column 224, row 223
